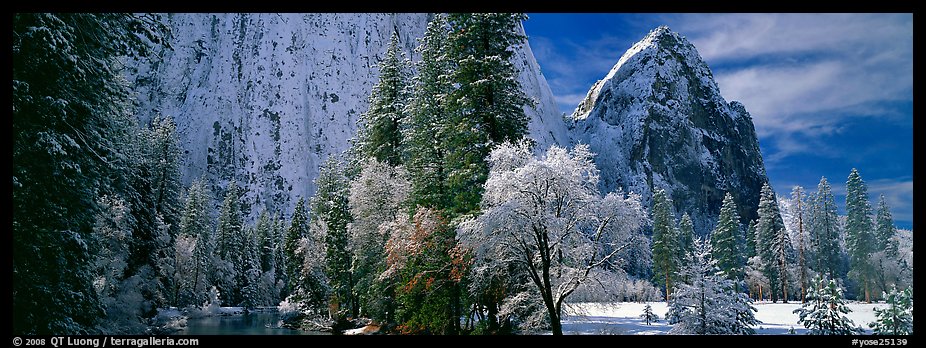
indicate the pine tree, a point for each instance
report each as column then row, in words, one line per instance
column 486, row 107
column 860, row 241
column 293, row 259
column 665, row 242
column 886, row 260
column 772, row 243
column 380, row 134
column 229, row 247
column 194, row 222
column 72, row 144
column 251, row 292
column 685, row 236
column 707, row 303
column 751, row 239
column 897, row 318
column 797, row 196
column 724, row 241
column 648, row 316
column 885, row 229
column 330, row 207
column 823, row 313
column 426, row 137
column 824, row 231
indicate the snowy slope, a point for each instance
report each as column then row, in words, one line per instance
column 657, row 119
column 265, row 98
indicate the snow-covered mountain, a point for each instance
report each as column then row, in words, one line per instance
column 265, row 98
column 658, row 120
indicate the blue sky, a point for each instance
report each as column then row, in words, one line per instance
column 827, row 92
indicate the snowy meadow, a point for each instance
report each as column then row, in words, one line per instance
column 623, row 318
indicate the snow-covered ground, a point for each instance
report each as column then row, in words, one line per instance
column 624, row 318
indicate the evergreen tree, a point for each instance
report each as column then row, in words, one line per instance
column 380, row 134
column 293, row 258
column 648, row 316
column 751, row 239
column 426, row 137
column 824, row 231
column 194, row 222
column 897, row 318
column 486, row 107
column 685, row 236
column 886, row 261
column 163, row 147
column 860, row 241
column 772, row 243
column 798, row 197
column 72, row 126
column 707, row 303
column 266, row 242
column 823, row 313
column 251, row 292
column 229, row 248
column 330, row 208
column 665, row 242
column 885, row 229
column 724, row 241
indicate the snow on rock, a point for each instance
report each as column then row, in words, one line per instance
column 658, row 119
column 265, row 98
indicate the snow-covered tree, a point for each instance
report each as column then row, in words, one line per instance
column 428, row 124
column 801, row 242
column 330, row 208
column 549, row 216
column 665, row 242
column 648, row 316
column 251, row 293
column 73, row 129
column 773, row 245
column 195, row 223
column 685, row 236
column 486, row 107
column 751, row 239
column 292, row 256
column 725, row 242
column 425, row 274
column 897, row 318
column 825, row 309
column 309, row 285
column 887, row 262
column 860, row 240
column 380, row 133
column 230, row 246
column 756, row 280
column 375, row 199
column 708, row 303
column 825, row 231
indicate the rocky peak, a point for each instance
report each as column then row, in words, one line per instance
column 657, row 119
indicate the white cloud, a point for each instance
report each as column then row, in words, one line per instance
column 898, row 193
column 804, row 75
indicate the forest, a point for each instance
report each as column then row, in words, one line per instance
column 443, row 217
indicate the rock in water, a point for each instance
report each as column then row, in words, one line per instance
column 658, row 120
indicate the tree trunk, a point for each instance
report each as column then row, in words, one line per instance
column 867, row 293
column 760, row 292
column 555, row 324
column 667, row 286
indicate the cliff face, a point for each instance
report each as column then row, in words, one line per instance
column 264, row 99
column 658, row 120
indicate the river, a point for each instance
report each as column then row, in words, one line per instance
column 259, row 323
